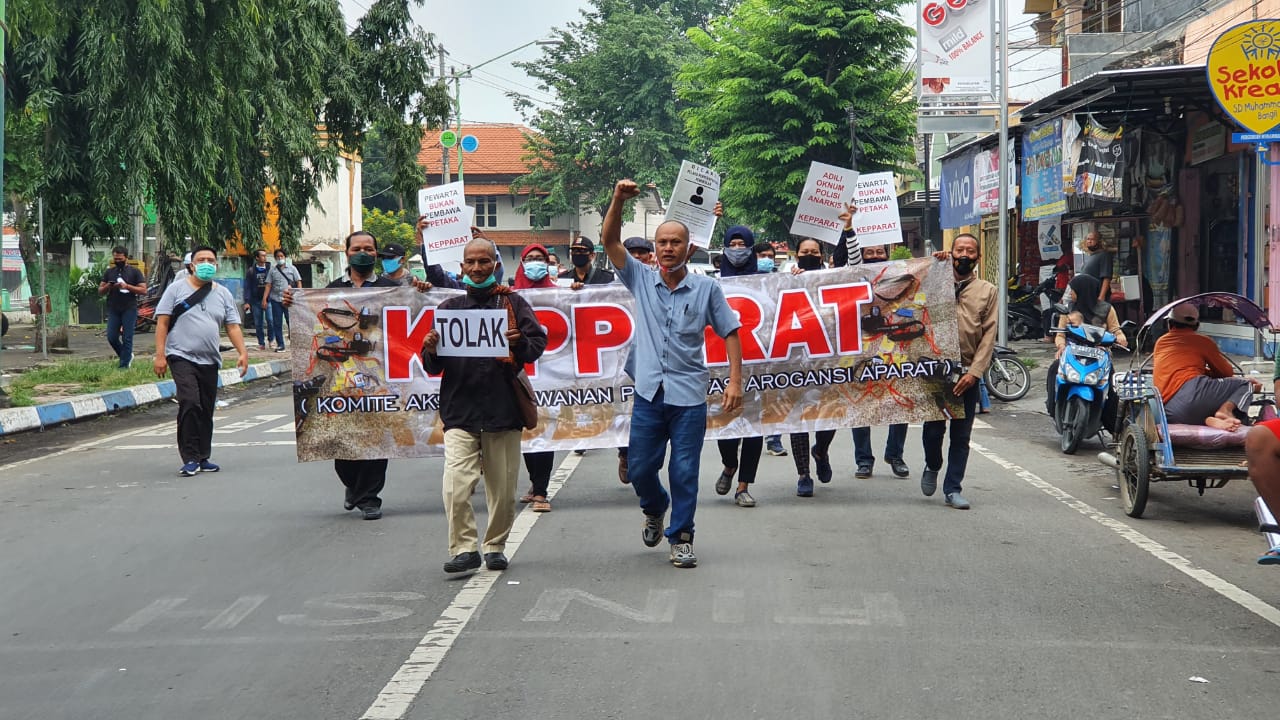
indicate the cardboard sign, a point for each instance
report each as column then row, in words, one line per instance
column 1049, row 236
column 449, row 230
column 827, row 191
column 472, row 333
column 877, row 221
column 693, row 201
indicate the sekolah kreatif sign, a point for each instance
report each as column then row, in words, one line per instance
column 1243, row 69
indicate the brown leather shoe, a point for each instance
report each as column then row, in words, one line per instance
column 622, row 469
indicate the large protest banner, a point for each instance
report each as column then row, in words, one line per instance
column 845, row 347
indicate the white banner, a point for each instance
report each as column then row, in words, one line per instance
column 956, row 48
column 877, row 221
column 449, row 216
column 1049, row 235
column 472, row 333
column 693, row 201
column 827, row 191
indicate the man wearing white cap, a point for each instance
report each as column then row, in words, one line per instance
column 1196, row 381
column 186, row 268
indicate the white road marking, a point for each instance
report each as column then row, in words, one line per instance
column 285, row 428
column 404, row 687
column 226, row 619
column 173, row 446
column 553, row 602
column 246, row 424
column 90, row 445
column 1232, row 592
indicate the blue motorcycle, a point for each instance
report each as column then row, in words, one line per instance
column 1083, row 385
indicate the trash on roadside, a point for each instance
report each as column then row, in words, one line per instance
column 1197, row 679
column 221, row 404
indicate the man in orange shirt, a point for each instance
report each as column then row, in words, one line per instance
column 1196, row 381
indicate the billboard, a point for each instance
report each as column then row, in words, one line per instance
column 956, row 39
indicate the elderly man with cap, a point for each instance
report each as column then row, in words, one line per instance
column 640, row 249
column 584, row 271
column 1195, row 380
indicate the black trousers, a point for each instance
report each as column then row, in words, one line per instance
column 751, row 449
column 197, row 389
column 539, row 465
column 364, row 480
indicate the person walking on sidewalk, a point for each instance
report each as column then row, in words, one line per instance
column 282, row 276
column 481, row 415
column 255, row 284
column 122, row 284
column 976, row 319
column 189, row 319
column 673, row 309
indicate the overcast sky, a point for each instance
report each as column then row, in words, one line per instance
column 477, row 30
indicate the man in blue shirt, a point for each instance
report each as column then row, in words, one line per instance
column 673, row 309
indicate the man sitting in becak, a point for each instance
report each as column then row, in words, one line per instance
column 1195, row 380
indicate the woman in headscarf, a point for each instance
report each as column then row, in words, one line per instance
column 534, row 273
column 1081, row 297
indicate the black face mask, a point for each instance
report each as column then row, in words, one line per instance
column 362, row 263
column 963, row 265
column 581, row 260
column 809, row 262
column 120, row 264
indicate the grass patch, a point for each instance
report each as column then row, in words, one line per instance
column 1028, row 363
column 80, row 377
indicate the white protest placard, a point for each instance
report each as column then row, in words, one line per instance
column 1049, row 235
column 449, row 227
column 877, row 221
column 693, row 201
column 827, row 191
column 472, row 333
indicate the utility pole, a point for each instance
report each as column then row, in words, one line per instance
column 1002, row 285
column 4, row 396
column 925, row 225
column 853, row 136
column 444, row 151
column 457, row 107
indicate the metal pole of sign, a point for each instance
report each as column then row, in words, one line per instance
column 444, row 151
column 44, row 290
column 853, row 137
column 457, row 104
column 1002, row 283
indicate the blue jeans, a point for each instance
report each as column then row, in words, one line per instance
column 984, row 399
column 862, row 454
column 958, row 453
column 261, row 322
column 653, row 425
column 277, row 323
column 120, row 326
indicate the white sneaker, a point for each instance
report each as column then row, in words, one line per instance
column 682, row 555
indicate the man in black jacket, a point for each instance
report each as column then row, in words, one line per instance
column 482, row 420
column 584, row 270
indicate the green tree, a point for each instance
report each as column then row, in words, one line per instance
column 200, row 106
column 769, row 96
column 388, row 227
column 378, row 176
column 618, row 116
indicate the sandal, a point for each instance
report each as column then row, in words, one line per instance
column 724, row 481
column 540, row 504
column 527, row 498
column 1270, row 557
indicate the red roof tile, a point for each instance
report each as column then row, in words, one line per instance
column 520, row 238
column 501, row 151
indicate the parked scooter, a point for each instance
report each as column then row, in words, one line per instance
column 1007, row 378
column 1026, row 309
column 1082, row 386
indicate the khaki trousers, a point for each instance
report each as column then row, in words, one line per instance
column 462, row 461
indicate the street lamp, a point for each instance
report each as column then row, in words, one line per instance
column 457, row 77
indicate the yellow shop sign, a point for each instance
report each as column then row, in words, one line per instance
column 1244, row 73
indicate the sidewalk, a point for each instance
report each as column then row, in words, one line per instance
column 21, row 353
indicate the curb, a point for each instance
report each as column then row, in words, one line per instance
column 15, row 420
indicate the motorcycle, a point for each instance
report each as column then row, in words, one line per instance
column 1026, row 306
column 1083, row 385
column 1007, row 378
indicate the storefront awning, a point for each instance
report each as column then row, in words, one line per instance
column 1142, row 94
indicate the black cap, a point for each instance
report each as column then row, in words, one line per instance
column 584, row 243
column 637, row 243
column 391, row 250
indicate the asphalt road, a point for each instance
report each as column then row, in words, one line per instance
column 129, row 592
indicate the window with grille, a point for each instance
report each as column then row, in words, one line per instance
column 486, row 210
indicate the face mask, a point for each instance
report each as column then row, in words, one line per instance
column 362, row 263
column 205, row 270
column 809, row 262
column 765, row 264
column 282, row 262
column 390, row 265
column 738, row 257
column 553, row 270
column 535, row 270
column 963, row 265
column 488, row 283
column 581, row 260
column 120, row 264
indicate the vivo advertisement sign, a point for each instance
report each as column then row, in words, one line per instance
column 957, row 207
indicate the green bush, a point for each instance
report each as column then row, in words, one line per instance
column 900, row 252
column 84, row 281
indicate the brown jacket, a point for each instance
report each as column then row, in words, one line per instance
column 976, row 314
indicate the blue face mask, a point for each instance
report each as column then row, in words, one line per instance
column 765, row 265
column 535, row 270
column 390, row 265
column 488, row 283
column 205, row 270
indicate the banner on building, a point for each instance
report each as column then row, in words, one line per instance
column 956, row 47
column 1049, row 236
column 845, row 347
column 956, row 193
column 1102, row 164
column 1042, row 191
column 1244, row 74
column 877, row 221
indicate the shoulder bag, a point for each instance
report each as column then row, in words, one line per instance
column 521, row 388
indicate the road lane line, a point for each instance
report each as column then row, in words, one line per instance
column 1225, row 588
column 90, row 445
column 404, row 687
column 172, row 446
